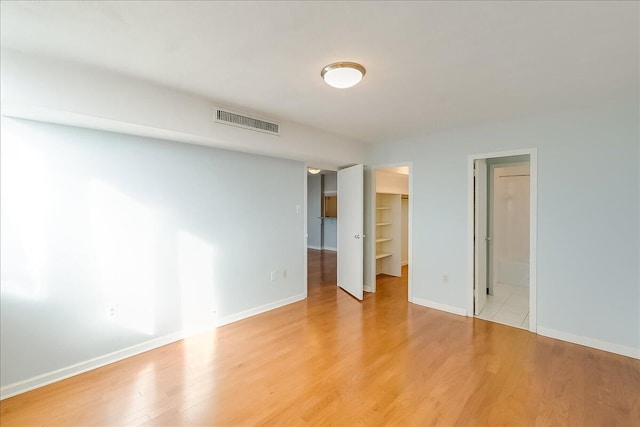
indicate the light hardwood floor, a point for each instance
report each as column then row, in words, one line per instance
column 330, row 360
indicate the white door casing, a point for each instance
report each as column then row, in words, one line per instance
column 351, row 230
column 533, row 228
column 480, row 227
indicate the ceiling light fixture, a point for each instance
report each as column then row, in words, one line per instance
column 343, row 75
column 314, row 171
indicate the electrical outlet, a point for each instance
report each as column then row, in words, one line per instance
column 445, row 278
column 284, row 274
column 113, row 310
column 274, row 276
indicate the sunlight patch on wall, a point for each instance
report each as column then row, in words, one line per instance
column 24, row 201
column 124, row 233
column 196, row 276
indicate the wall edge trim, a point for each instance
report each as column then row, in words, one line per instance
column 590, row 342
column 47, row 378
column 439, row 306
column 259, row 310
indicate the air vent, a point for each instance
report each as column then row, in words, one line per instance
column 246, row 122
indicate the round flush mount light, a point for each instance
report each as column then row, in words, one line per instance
column 313, row 171
column 342, row 75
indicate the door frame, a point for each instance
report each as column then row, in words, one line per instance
column 533, row 228
column 480, row 217
column 370, row 219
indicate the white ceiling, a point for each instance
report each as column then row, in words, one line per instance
column 430, row 66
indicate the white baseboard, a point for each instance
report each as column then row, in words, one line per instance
column 261, row 309
column 79, row 368
column 590, row 342
column 438, row 306
column 97, row 362
column 329, row 248
column 317, row 248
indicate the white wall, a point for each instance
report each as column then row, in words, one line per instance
column 330, row 226
column 314, row 207
column 330, row 182
column 163, row 233
column 510, row 228
column 62, row 92
column 330, row 234
column 588, row 218
column 391, row 182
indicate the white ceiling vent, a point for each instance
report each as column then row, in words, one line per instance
column 228, row 117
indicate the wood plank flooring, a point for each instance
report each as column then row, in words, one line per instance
column 330, row 360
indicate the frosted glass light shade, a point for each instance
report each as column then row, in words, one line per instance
column 343, row 75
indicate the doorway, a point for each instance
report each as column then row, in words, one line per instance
column 389, row 226
column 502, row 238
column 321, row 233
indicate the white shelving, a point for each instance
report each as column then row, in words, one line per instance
column 388, row 239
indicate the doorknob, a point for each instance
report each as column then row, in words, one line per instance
column 488, row 239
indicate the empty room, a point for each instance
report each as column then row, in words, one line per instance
column 235, row 213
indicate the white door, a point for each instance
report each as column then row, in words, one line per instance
column 350, row 230
column 480, row 235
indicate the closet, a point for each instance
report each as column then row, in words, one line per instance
column 392, row 185
column 388, row 229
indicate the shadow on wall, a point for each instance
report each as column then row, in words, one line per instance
column 115, row 243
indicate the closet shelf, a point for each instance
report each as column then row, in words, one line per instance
column 383, row 223
column 383, row 239
column 382, row 255
column 383, row 208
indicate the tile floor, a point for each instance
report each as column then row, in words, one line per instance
column 508, row 305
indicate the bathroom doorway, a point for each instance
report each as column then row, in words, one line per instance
column 503, row 290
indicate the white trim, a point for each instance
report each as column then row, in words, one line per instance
column 260, row 309
column 410, row 235
column 470, row 239
column 317, row 248
column 533, row 241
column 533, row 227
column 438, row 306
column 97, row 362
column 88, row 365
column 327, row 248
column 305, row 232
column 590, row 342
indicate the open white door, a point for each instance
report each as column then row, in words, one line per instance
column 350, row 230
column 480, row 235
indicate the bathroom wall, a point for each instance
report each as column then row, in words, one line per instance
column 510, row 228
